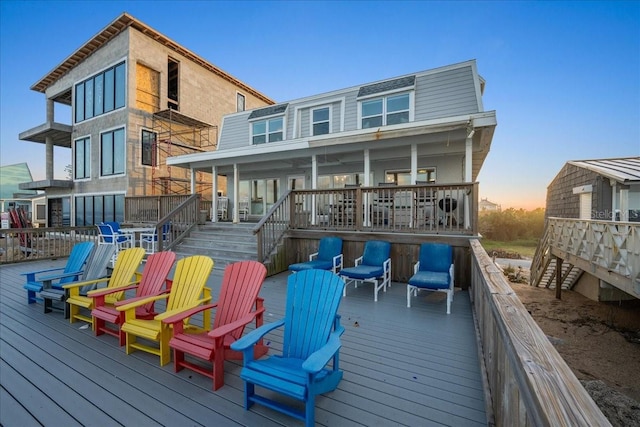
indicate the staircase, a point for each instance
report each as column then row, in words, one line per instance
column 570, row 275
column 225, row 242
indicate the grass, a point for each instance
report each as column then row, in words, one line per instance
column 525, row 248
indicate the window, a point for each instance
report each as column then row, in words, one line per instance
column 267, row 130
column 91, row 210
column 240, row 105
column 389, row 110
column 82, row 159
column 112, row 153
column 101, row 93
column 148, row 148
column 320, row 121
column 172, row 84
column 403, row 177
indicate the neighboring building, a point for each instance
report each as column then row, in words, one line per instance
column 11, row 196
column 136, row 98
column 427, row 126
column 487, row 206
column 599, row 189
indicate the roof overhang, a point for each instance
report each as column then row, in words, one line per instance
column 59, row 133
column 334, row 147
column 46, row 184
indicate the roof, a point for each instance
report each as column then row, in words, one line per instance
column 10, row 177
column 624, row 169
column 116, row 27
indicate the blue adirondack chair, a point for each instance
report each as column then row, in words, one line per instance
column 374, row 266
column 328, row 257
column 70, row 272
column 311, row 340
column 433, row 272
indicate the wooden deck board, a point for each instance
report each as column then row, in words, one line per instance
column 402, row 366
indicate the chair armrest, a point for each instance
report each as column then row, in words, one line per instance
column 254, row 336
column 59, row 276
column 188, row 313
column 319, row 358
column 140, row 301
column 358, row 261
column 33, row 273
column 178, row 311
column 313, row 255
column 136, row 299
column 230, row 327
column 337, row 261
column 84, row 283
column 106, row 291
column 387, row 265
column 451, row 274
column 416, row 267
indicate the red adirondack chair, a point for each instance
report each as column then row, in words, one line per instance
column 237, row 306
column 154, row 276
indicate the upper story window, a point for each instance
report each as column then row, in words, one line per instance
column 101, row 93
column 387, row 110
column 112, row 152
column 267, row 130
column 240, row 102
column 320, row 122
column 267, row 124
column 148, row 141
column 82, row 158
column 173, row 84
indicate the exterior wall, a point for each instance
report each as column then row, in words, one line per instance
column 439, row 93
column 562, row 203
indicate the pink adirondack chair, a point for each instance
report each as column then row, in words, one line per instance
column 154, row 276
column 237, row 306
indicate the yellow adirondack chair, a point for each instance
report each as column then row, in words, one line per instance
column 187, row 291
column 123, row 275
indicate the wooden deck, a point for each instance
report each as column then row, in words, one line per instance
column 402, row 366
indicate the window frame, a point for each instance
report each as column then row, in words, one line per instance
column 384, row 98
column 239, row 107
column 87, row 104
column 86, row 141
column 113, row 132
column 268, row 132
column 313, row 123
column 153, row 150
column 428, row 174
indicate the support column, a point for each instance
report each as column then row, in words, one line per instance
column 314, row 186
column 414, row 163
column 367, row 182
column 236, row 194
column 49, row 142
column 193, row 180
column 214, row 194
column 558, row 277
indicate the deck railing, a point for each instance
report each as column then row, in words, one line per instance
column 151, row 209
column 32, row 244
column 422, row 209
column 178, row 223
column 530, row 383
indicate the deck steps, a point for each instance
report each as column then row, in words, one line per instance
column 570, row 273
column 225, row 242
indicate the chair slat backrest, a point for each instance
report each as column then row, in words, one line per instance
column 188, row 281
column 79, row 255
column 376, row 252
column 313, row 298
column 154, row 275
column 97, row 265
column 329, row 247
column 126, row 265
column 241, row 284
column 435, row 257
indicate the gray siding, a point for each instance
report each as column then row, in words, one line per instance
column 562, row 203
column 446, row 93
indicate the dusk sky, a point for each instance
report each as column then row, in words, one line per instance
column 563, row 77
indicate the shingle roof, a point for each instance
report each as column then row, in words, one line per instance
column 268, row 111
column 387, row 86
column 624, row 170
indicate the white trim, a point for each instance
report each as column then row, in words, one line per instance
column 583, row 189
column 311, row 122
column 384, row 97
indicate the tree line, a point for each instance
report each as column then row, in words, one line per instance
column 512, row 224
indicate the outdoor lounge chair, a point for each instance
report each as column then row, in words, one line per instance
column 433, row 272
column 328, row 257
column 374, row 266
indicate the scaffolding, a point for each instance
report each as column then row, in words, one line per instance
column 177, row 134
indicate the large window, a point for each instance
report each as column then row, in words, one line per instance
column 403, row 177
column 320, row 121
column 112, row 153
column 389, row 110
column 148, row 148
column 101, row 93
column 267, row 130
column 91, row 210
column 82, row 158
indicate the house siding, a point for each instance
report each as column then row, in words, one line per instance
column 562, row 203
column 446, row 93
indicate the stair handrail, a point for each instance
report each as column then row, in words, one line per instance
column 271, row 229
column 181, row 220
column 541, row 258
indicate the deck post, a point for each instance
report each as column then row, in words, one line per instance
column 558, row 278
